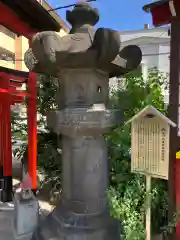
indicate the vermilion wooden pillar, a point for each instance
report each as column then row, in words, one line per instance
column 174, row 81
column 11, row 18
column 32, row 129
column 1, row 172
column 8, row 96
column 168, row 12
column 177, row 180
column 6, row 146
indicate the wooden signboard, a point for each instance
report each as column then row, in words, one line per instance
column 150, row 143
column 150, row 150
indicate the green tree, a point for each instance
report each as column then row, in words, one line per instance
column 127, row 190
column 47, row 141
column 49, row 155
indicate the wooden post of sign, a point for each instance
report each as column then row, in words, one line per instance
column 148, row 207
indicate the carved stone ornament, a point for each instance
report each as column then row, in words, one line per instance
column 84, row 47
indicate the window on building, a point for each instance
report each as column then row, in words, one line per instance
column 7, row 56
column 7, row 32
column 169, row 32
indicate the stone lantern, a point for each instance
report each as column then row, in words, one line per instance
column 83, row 61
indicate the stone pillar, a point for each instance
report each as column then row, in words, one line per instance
column 84, row 152
column 85, row 174
column 83, row 119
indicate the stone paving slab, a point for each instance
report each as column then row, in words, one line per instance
column 7, row 216
column 6, row 220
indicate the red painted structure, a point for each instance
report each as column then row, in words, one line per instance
column 14, row 16
column 161, row 13
column 177, row 180
column 168, row 12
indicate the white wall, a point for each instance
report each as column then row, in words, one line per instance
column 150, row 55
column 155, row 46
column 164, row 51
column 153, row 32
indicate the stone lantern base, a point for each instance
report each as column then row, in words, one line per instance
column 65, row 225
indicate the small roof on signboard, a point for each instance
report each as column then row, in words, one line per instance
column 153, row 111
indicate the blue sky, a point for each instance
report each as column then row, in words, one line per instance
column 117, row 14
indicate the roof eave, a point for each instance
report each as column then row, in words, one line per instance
column 55, row 16
column 147, row 8
column 28, row 11
column 150, row 109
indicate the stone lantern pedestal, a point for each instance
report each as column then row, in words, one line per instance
column 83, row 62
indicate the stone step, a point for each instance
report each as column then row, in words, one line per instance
column 6, row 226
column 6, row 214
column 6, row 221
column 7, row 236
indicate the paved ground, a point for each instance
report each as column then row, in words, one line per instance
column 7, row 210
column 7, row 216
column 6, row 223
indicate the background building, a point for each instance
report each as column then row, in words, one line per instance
column 12, row 47
column 155, row 46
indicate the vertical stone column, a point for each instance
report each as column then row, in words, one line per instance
column 85, row 166
column 85, row 174
column 83, row 119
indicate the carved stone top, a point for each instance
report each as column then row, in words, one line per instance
column 84, row 47
column 83, row 13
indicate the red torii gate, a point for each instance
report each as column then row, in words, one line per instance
column 23, row 17
column 168, row 12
